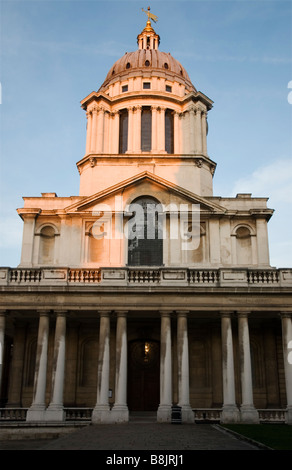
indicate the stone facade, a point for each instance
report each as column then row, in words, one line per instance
column 100, row 321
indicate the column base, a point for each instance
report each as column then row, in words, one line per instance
column 230, row 414
column 164, row 414
column 55, row 413
column 289, row 415
column 101, row 414
column 36, row 413
column 249, row 414
column 187, row 414
column 119, row 414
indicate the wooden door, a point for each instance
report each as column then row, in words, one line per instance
column 143, row 375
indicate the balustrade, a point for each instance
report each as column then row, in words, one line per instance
column 144, row 275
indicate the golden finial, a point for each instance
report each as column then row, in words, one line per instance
column 150, row 16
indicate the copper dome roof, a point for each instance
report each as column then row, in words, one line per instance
column 148, row 61
column 151, row 61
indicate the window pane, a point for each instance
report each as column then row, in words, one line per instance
column 146, row 123
column 123, row 138
column 169, row 139
column 146, row 247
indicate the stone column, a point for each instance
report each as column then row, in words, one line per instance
column 154, row 134
column 114, row 132
column 100, row 131
column 230, row 413
column 88, row 132
column 204, row 133
column 55, row 411
column 198, row 131
column 164, row 409
column 177, row 133
column 287, row 353
column 37, row 410
column 120, row 412
column 247, row 410
column 161, row 130
column 101, row 411
column 193, row 130
column 183, row 368
column 130, row 129
column 93, row 134
column 137, row 129
column 2, row 344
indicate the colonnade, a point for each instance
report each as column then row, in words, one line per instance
column 119, row 412
column 189, row 127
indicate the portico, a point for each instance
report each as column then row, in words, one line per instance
column 182, row 341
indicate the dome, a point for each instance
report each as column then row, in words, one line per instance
column 148, row 61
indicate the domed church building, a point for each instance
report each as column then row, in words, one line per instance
column 146, row 293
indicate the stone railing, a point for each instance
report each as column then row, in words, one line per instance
column 13, row 414
column 78, row 414
column 201, row 415
column 164, row 276
column 272, row 416
column 207, row 415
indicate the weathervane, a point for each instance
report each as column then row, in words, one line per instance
column 150, row 15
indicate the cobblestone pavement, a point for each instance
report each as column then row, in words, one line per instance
column 137, row 436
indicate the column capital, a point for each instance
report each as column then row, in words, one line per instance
column 227, row 313
column 166, row 313
column 61, row 313
column 285, row 314
column 121, row 313
column 104, row 313
column 182, row 313
column 44, row 313
column 243, row 314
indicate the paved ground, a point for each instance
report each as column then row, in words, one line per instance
column 137, row 436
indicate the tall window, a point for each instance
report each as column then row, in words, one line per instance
column 146, row 124
column 145, row 233
column 123, row 133
column 169, row 131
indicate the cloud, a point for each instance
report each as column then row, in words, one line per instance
column 272, row 180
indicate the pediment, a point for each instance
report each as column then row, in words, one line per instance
column 145, row 184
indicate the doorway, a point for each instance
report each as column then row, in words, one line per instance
column 143, row 375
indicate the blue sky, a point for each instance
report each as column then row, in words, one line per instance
column 54, row 53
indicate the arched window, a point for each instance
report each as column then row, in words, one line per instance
column 169, row 131
column 145, row 233
column 47, row 245
column 146, row 127
column 123, row 131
